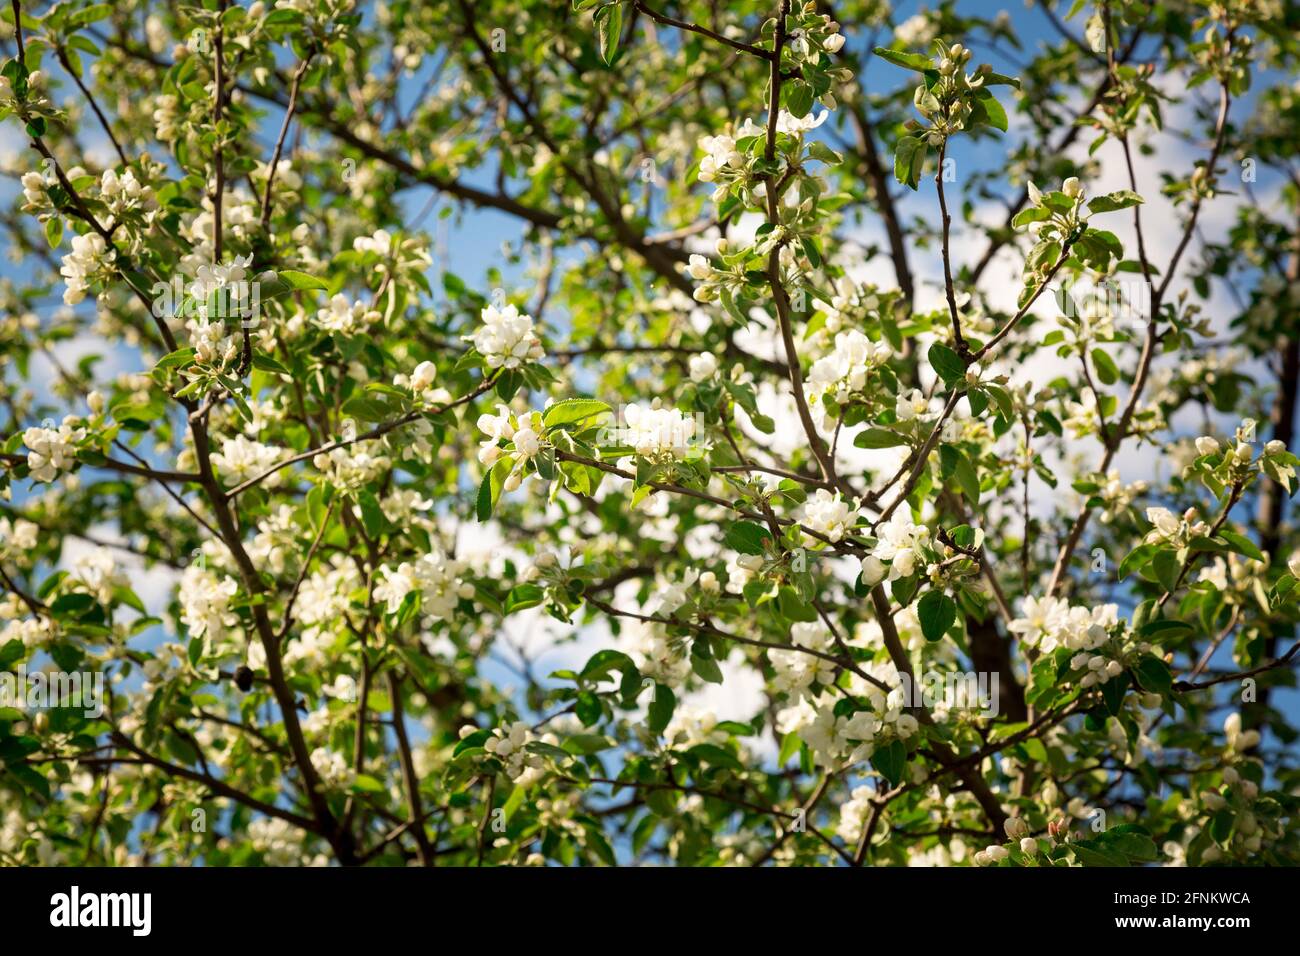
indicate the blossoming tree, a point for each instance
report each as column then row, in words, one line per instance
column 758, row 503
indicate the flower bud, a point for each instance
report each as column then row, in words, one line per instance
column 1205, row 445
column 873, row 570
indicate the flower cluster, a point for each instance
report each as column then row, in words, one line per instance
column 797, row 671
column 658, row 433
column 205, row 602
column 352, row 466
column 509, row 745
column 1048, row 623
column 829, row 515
column 53, row 450
column 507, row 339
column 437, row 578
column 345, row 317
column 89, row 260
column 900, row 544
column 843, row 373
column 241, row 458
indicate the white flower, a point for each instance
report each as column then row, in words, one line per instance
column 699, row 267
column 853, row 815
column 527, row 442
column 89, row 256
column 17, row 536
column 899, row 541
column 873, row 570
column 497, row 426
column 34, row 189
column 423, row 376
column 346, row 317
column 51, row 451
column 332, row 768
column 672, row 596
column 205, row 602
column 1205, row 445
column 658, row 433
column 1040, row 621
column 917, row 30
column 721, row 152
column 911, row 405
column 508, row 745
column 833, row 43
column 436, row 576
column 844, row 371
column 703, row 366
column 796, row 671
column 351, row 466
column 507, row 339
column 829, row 514
column 240, row 458
column 796, row 126
column 1169, row 527
column 396, row 584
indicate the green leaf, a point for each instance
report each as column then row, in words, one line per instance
column 483, row 507
column 878, row 438
column 947, row 364
column 1088, row 853
column 1112, row 694
column 966, row 477
column 937, row 612
column 301, row 280
column 583, row 745
column 1107, row 371
column 794, row 608
column 995, row 114
column 1242, row 545
column 909, row 160
column 890, row 761
column 572, row 410
column 746, row 537
column 799, row 99
column 476, row 739
column 523, row 596
column 1031, row 214
column 662, row 705
column 908, row 61
column 372, row 516
column 1116, row 200
column 1153, row 674
column 609, row 30
column 268, row 364
column 713, row 754
column 364, row 783
column 706, row 669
